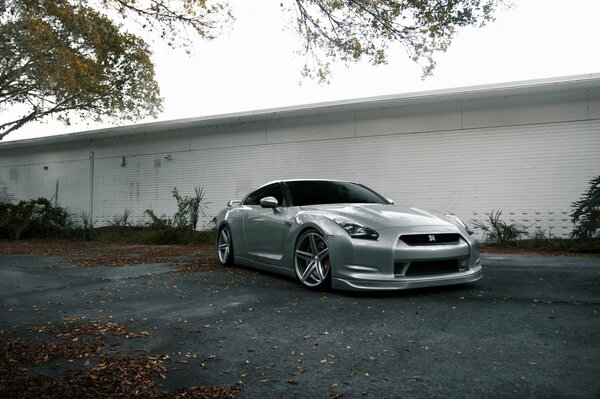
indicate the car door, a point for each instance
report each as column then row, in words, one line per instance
column 264, row 228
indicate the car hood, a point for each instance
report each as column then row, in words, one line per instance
column 379, row 216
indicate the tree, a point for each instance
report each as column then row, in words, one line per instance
column 56, row 57
column 349, row 30
column 586, row 212
column 60, row 56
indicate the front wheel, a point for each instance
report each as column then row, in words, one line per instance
column 311, row 260
column 225, row 246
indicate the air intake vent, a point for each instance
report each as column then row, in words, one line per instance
column 432, row 267
column 430, row 239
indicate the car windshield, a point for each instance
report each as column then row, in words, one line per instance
column 332, row 192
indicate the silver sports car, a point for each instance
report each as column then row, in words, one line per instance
column 345, row 235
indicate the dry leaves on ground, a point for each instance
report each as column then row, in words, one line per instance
column 114, row 375
column 186, row 258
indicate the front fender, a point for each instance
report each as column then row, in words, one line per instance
column 302, row 222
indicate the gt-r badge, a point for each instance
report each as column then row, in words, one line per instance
column 431, row 238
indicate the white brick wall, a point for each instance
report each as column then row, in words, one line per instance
column 530, row 156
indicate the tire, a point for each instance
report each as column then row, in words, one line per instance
column 311, row 260
column 225, row 246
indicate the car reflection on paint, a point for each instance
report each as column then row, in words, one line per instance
column 345, row 235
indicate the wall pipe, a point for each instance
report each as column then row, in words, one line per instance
column 91, row 185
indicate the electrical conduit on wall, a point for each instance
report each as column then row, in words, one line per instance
column 91, row 185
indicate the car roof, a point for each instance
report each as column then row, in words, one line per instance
column 292, row 180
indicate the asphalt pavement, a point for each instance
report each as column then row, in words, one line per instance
column 529, row 328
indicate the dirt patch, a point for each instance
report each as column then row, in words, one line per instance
column 519, row 251
column 185, row 258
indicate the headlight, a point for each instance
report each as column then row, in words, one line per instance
column 460, row 223
column 356, row 230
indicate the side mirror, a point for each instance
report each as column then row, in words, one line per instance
column 269, row 202
column 233, row 203
column 390, row 201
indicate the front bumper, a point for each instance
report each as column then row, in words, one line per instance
column 384, row 264
column 407, row 282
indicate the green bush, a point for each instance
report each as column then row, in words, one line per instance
column 181, row 227
column 498, row 232
column 189, row 208
column 121, row 220
column 586, row 212
column 162, row 222
column 34, row 218
column 86, row 226
column 40, row 218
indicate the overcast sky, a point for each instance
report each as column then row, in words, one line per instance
column 253, row 66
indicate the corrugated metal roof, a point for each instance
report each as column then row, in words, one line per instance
column 387, row 101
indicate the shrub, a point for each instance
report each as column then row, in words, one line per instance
column 586, row 212
column 85, row 229
column 498, row 232
column 181, row 227
column 188, row 212
column 49, row 219
column 34, row 218
column 121, row 221
column 189, row 208
column 162, row 222
column 14, row 219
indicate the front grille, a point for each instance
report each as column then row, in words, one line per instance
column 420, row 268
column 430, row 239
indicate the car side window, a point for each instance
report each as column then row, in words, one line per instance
column 272, row 190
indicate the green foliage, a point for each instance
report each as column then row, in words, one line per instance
column 58, row 56
column 173, row 20
column 40, row 218
column 189, row 209
column 497, row 232
column 14, row 219
column 86, row 226
column 121, row 220
column 586, row 212
column 181, row 227
column 349, row 30
column 34, row 218
column 188, row 212
column 162, row 222
column 539, row 235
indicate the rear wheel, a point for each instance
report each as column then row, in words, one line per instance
column 311, row 260
column 225, row 246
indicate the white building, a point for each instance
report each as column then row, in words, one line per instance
column 528, row 148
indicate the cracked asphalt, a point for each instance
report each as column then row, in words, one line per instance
column 529, row 328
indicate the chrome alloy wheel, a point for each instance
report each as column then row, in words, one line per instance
column 311, row 259
column 225, row 247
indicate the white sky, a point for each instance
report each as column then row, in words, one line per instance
column 254, row 66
